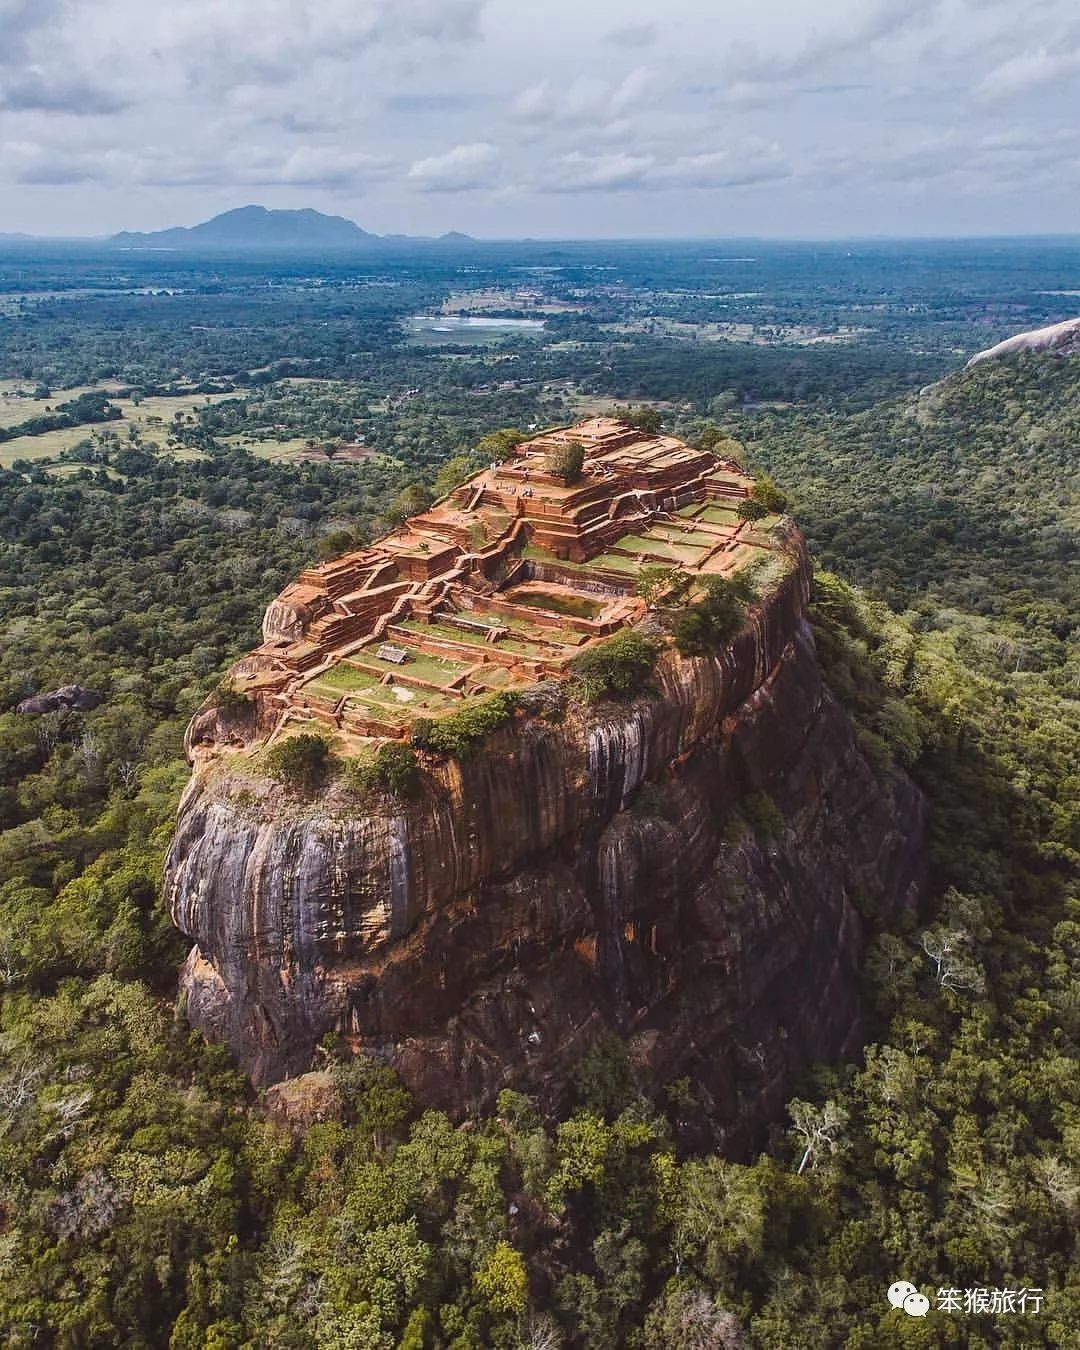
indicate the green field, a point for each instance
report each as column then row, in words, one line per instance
column 269, row 449
column 342, row 678
column 492, row 677
column 46, row 446
column 152, row 416
column 692, row 538
column 15, row 409
column 528, row 630
column 661, row 549
column 443, row 630
column 615, row 562
column 721, row 515
column 395, row 702
column 406, row 703
column 436, row 669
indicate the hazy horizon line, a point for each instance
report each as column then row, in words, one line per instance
column 17, row 236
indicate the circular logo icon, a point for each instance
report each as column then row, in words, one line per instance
column 901, row 1290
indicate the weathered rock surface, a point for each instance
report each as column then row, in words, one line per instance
column 1061, row 338
column 574, row 878
column 69, row 697
column 298, row 1103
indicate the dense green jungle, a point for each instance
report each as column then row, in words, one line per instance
column 179, row 437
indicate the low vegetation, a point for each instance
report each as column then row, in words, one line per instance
column 230, row 701
column 766, row 494
column 752, row 510
column 654, row 584
column 301, row 761
column 620, row 667
column 463, row 732
column 703, row 627
column 146, row 1199
column 392, row 769
column 85, row 408
column 566, row 462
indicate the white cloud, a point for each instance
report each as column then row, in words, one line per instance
column 329, row 167
column 590, row 173
column 1029, row 72
column 983, row 164
column 305, row 166
column 461, row 169
column 32, row 164
column 19, row 20
column 218, row 43
column 713, row 169
column 585, row 99
column 214, row 45
column 725, row 169
column 324, row 167
column 160, row 112
column 749, row 70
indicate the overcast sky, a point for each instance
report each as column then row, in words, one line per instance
column 567, row 118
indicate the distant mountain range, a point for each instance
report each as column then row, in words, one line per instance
column 256, row 227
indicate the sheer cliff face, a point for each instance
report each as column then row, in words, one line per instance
column 592, row 875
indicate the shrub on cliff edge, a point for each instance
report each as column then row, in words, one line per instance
column 752, row 510
column 704, row 627
column 462, row 733
column 618, row 668
column 300, row 761
column 392, row 769
column 769, row 495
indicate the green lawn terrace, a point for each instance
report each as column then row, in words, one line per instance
column 421, row 665
column 499, row 584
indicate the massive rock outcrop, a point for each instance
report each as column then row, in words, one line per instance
column 693, row 871
column 1063, row 339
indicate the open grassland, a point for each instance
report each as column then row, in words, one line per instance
column 589, row 405
column 152, row 416
column 517, row 623
column 672, row 534
column 69, row 468
column 16, row 406
column 44, row 447
column 271, row 449
column 735, row 560
column 160, row 410
column 399, row 703
column 520, row 647
column 554, row 602
column 448, row 633
column 492, row 677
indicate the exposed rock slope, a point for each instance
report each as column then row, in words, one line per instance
column 572, row 878
column 1060, row 338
